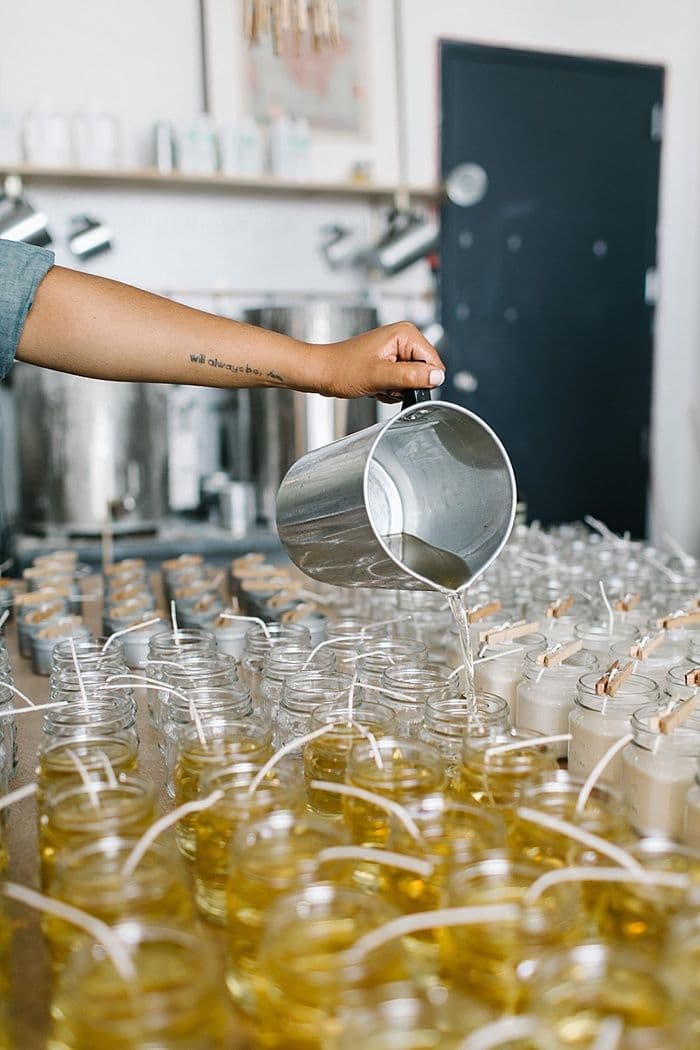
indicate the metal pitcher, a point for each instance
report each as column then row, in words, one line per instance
column 426, row 500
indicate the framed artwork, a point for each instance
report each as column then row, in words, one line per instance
column 348, row 94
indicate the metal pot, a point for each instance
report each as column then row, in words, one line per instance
column 286, row 424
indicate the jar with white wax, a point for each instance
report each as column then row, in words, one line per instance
column 597, row 637
column 655, row 664
column 545, row 695
column 500, row 666
column 597, row 721
column 658, row 769
column 691, row 831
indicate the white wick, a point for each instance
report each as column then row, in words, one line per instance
column 608, row 606
column 128, row 630
column 252, row 619
column 150, row 836
column 88, row 783
column 495, row 1034
column 586, row 838
column 173, row 620
column 670, row 879
column 522, row 745
column 331, row 641
column 107, row 766
column 376, row 856
column 77, row 670
column 17, row 795
column 4, row 618
column 387, row 804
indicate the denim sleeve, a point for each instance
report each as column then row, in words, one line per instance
column 22, row 268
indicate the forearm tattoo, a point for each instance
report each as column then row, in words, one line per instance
column 246, row 369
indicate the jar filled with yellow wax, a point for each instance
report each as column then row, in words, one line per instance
column 657, row 770
column 203, row 749
column 281, row 663
column 490, row 960
column 497, row 766
column 574, row 992
column 637, row 914
column 407, row 1016
column 56, row 760
column 556, row 794
column 301, row 695
column 173, row 1000
column 597, row 720
column 74, row 816
column 681, row 966
column 92, row 878
column 446, row 719
column 326, row 757
column 228, row 702
column 398, row 769
column 408, row 688
column 259, row 642
column 546, row 693
column 691, row 825
column 268, row 857
column 279, row 789
column 306, row 968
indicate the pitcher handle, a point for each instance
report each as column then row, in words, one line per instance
column 414, row 397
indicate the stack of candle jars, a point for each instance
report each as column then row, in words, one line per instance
column 382, row 855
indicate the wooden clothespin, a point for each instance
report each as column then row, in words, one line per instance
column 508, row 634
column 679, row 619
column 692, row 677
column 480, row 612
column 555, row 656
column 615, row 676
column 640, row 650
column 560, row 607
column 627, row 603
column 671, row 721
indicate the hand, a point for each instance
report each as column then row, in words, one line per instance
column 381, row 363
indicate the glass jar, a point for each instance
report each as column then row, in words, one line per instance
column 281, row 663
column 301, row 695
column 90, row 654
column 200, row 670
column 374, row 657
column 447, row 718
column 174, row 1001
column 57, row 766
column 279, row 789
column 111, row 715
column 694, row 649
column 598, row 639
column 304, row 969
column 657, row 771
column 231, row 701
column 326, row 757
column 491, row 960
column 596, row 722
column 691, row 826
column 409, row 769
column 493, row 773
column 349, row 635
column 92, row 878
column 656, row 665
column 74, row 816
column 167, row 648
column 268, row 856
column 89, row 685
column 407, row 689
column 577, row 990
column 430, row 621
column 638, row 915
column 258, row 643
column 218, row 743
column 675, row 687
column 8, row 727
column 545, row 695
column 45, row 640
column 556, row 795
column 500, row 666
column 230, row 635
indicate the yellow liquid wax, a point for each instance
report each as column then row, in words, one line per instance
column 91, row 878
column 56, row 767
column 195, row 760
column 216, row 827
column 499, row 779
column 173, row 1003
column 269, row 857
column 409, row 770
column 326, row 758
column 489, row 961
column 71, row 820
column 303, row 972
column 574, row 992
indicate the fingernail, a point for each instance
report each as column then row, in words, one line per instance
column 436, row 377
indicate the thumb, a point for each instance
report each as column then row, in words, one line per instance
column 403, row 375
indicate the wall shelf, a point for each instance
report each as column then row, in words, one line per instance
column 266, row 185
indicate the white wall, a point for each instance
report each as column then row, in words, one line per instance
column 141, row 60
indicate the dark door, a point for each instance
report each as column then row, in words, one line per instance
column 547, row 269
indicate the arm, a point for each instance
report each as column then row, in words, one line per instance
column 107, row 330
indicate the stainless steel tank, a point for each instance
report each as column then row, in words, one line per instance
column 285, row 424
column 86, row 446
